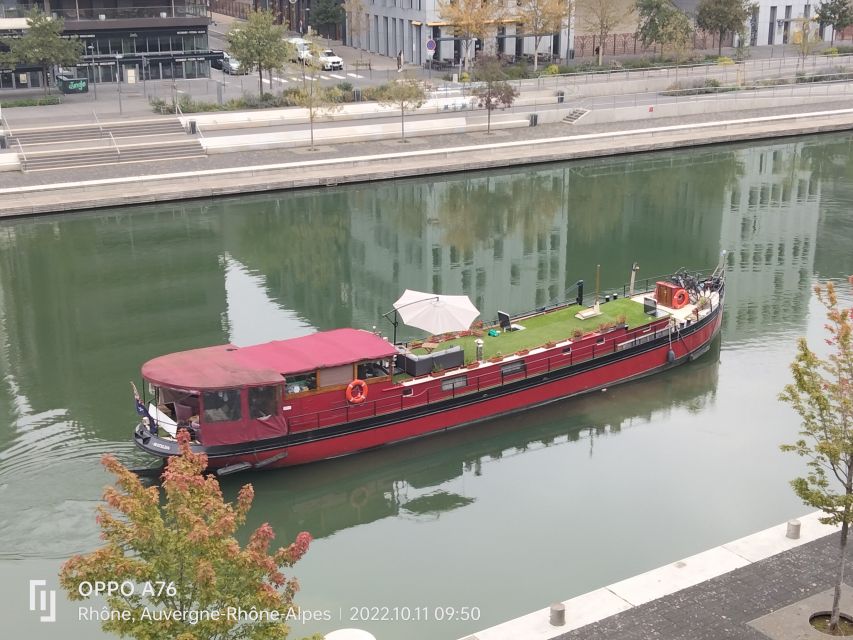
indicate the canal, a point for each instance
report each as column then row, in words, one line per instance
column 504, row 517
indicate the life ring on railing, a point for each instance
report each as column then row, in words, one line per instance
column 356, row 391
column 358, row 497
column 679, row 299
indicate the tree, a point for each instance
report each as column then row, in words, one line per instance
column 494, row 91
column 318, row 100
column 541, row 18
column 822, row 394
column 838, row 13
column 407, row 94
column 326, row 13
column 259, row 43
column 805, row 38
column 42, row 45
column 470, row 20
column 722, row 17
column 652, row 16
column 677, row 34
column 602, row 17
column 185, row 552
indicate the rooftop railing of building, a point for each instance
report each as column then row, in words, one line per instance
column 105, row 13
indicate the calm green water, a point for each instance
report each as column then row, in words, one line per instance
column 507, row 516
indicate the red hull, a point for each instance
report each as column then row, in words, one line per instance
column 607, row 374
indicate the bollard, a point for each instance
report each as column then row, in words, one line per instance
column 558, row 614
column 793, row 530
column 479, row 345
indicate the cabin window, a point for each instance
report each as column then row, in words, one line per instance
column 454, row 383
column 178, row 405
column 335, row 376
column 512, row 367
column 375, row 369
column 222, row 405
column 302, row 382
column 263, row 402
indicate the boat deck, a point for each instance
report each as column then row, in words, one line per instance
column 554, row 326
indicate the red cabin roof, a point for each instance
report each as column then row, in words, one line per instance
column 229, row 366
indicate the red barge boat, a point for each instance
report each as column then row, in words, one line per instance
column 338, row 392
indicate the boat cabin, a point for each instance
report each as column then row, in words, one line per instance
column 228, row 394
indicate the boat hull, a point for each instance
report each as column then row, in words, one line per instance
column 557, row 384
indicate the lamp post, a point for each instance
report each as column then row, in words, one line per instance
column 118, row 82
column 91, row 49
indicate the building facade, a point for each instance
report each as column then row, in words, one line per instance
column 389, row 27
column 132, row 40
column 772, row 23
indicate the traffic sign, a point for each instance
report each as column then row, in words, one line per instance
column 430, row 46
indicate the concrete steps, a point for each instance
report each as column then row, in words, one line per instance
column 48, row 160
column 129, row 129
column 575, row 115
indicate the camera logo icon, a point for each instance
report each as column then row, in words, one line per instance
column 46, row 604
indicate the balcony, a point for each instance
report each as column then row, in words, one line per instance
column 132, row 13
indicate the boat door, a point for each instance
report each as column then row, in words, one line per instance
column 265, row 419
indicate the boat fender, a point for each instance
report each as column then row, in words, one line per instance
column 356, row 391
column 358, row 497
column 670, row 356
column 680, row 298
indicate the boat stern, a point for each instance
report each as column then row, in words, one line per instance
column 154, row 444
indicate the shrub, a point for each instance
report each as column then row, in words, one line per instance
column 712, row 83
column 551, row 70
column 724, row 60
column 32, row 102
column 465, row 77
column 345, row 86
column 832, row 51
column 843, row 49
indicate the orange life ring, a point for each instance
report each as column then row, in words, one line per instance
column 356, row 391
column 680, row 299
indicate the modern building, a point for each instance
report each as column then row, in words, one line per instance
column 388, row 27
column 127, row 39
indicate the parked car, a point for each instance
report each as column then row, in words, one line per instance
column 232, row 66
column 329, row 61
column 218, row 63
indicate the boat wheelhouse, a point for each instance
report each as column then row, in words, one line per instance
column 337, row 392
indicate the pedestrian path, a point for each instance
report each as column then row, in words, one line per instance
column 713, row 595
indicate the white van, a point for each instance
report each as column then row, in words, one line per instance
column 301, row 52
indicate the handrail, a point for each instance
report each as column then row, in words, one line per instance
column 6, row 125
column 21, row 147
column 118, row 151
column 493, row 377
column 98, row 122
column 178, row 109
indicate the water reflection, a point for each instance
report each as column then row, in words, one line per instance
column 415, row 479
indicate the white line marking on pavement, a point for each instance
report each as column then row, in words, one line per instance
column 354, row 75
column 336, row 76
column 294, row 78
column 325, row 78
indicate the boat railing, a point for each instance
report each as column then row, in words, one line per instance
column 493, row 376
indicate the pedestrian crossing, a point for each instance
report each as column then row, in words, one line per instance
column 322, row 77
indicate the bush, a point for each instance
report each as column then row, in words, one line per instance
column 551, row 70
column 843, row 49
column 724, row 60
column 832, row 51
column 32, row 102
column 345, row 86
column 465, row 77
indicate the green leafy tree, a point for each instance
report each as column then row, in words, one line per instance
column 407, row 94
column 328, row 14
column 187, row 550
column 652, row 16
column 318, row 100
column 838, row 13
column 541, row 18
column 494, row 92
column 722, row 17
column 42, row 45
column 822, row 394
column 259, row 44
column 677, row 35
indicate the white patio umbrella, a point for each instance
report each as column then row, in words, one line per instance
column 436, row 313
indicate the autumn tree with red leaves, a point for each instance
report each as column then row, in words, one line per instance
column 191, row 576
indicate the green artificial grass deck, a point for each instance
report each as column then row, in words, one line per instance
column 548, row 327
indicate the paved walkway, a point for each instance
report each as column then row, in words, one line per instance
column 721, row 608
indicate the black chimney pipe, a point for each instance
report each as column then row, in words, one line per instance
column 579, row 299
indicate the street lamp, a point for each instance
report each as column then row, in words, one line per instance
column 91, row 49
column 118, row 81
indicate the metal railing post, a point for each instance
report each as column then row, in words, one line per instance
column 24, row 155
